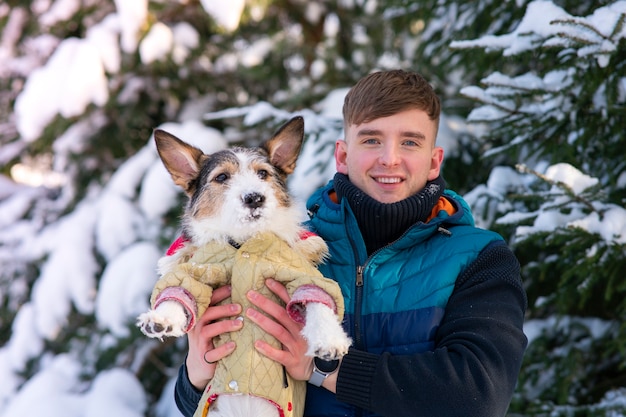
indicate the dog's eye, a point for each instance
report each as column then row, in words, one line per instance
column 221, row 178
column 262, row 173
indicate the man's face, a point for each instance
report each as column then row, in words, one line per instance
column 390, row 158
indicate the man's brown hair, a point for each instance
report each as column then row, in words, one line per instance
column 385, row 93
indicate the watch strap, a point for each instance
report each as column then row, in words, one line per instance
column 321, row 369
column 317, row 378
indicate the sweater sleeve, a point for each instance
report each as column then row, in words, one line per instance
column 186, row 395
column 473, row 369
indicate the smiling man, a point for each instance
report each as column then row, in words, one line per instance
column 390, row 158
column 434, row 305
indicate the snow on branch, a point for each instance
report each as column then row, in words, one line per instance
column 546, row 25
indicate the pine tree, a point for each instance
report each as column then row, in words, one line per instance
column 555, row 111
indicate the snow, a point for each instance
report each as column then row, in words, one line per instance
column 72, row 79
column 24, row 345
column 10, row 36
column 607, row 221
column 13, row 208
column 185, row 39
column 59, row 392
column 121, row 219
column 501, row 90
column 60, row 11
column 571, row 177
column 535, row 327
column 545, row 20
column 157, row 43
column 68, row 275
column 226, row 14
column 254, row 54
column 132, row 15
column 118, row 225
column 124, row 285
column 610, row 225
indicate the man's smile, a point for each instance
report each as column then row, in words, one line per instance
column 388, row 180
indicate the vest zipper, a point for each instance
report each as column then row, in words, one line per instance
column 358, row 301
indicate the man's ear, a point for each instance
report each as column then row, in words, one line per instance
column 435, row 163
column 341, row 156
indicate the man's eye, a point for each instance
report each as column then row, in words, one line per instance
column 370, row 141
column 221, row 178
column 262, row 173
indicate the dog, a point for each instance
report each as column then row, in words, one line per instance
column 241, row 227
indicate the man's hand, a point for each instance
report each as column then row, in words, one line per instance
column 284, row 329
column 203, row 354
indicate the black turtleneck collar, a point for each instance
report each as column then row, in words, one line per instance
column 382, row 223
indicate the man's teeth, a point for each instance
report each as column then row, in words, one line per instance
column 388, row 180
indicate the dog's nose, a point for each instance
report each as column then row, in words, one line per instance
column 253, row 200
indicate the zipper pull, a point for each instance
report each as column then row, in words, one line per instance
column 359, row 275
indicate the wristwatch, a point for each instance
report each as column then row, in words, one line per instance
column 321, row 370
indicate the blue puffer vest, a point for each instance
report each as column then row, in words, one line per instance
column 396, row 297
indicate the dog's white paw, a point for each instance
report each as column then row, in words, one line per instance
column 168, row 320
column 324, row 334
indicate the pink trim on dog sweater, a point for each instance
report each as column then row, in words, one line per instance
column 176, row 245
column 308, row 294
column 183, row 297
column 305, row 234
column 212, row 398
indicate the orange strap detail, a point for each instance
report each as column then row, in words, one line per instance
column 443, row 204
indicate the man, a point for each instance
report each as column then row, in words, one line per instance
column 434, row 305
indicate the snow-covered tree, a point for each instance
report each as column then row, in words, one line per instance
column 558, row 117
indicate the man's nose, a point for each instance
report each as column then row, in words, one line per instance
column 389, row 155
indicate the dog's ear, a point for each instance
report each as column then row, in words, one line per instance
column 284, row 147
column 181, row 160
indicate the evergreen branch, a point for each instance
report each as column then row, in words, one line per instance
column 618, row 26
column 491, row 100
column 579, row 23
column 576, row 39
column 560, row 184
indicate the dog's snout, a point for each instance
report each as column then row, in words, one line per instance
column 253, row 200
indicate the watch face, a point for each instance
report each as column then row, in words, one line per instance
column 326, row 366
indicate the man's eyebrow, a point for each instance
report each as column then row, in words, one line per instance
column 369, row 132
column 414, row 135
column 406, row 134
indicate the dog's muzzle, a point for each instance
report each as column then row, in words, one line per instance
column 253, row 200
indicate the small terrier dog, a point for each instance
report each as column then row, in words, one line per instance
column 240, row 228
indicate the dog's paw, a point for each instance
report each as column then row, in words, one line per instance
column 330, row 348
column 155, row 325
column 326, row 338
